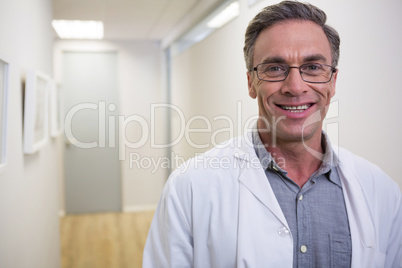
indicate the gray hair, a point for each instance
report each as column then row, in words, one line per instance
column 288, row 10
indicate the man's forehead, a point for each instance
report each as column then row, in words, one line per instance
column 292, row 38
column 306, row 58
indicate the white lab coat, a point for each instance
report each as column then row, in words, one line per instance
column 225, row 214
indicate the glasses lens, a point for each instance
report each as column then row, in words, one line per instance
column 316, row 73
column 272, row 71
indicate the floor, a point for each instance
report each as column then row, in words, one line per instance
column 104, row 240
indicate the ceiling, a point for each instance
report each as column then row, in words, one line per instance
column 131, row 19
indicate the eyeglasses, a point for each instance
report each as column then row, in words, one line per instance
column 309, row 72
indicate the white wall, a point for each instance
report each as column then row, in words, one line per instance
column 29, row 233
column 210, row 78
column 140, row 79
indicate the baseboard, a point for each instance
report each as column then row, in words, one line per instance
column 139, row 208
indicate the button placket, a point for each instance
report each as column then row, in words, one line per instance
column 303, row 228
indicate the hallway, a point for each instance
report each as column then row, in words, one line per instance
column 176, row 99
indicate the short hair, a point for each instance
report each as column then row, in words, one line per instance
column 288, row 10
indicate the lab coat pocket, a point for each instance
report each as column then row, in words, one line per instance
column 340, row 248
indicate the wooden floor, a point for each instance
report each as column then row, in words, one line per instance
column 104, row 240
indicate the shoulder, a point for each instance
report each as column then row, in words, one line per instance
column 371, row 177
column 217, row 167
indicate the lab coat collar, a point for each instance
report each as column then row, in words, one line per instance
column 360, row 223
column 254, row 179
column 252, row 176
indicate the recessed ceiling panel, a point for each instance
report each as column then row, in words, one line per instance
column 127, row 19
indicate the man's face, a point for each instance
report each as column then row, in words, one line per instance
column 293, row 43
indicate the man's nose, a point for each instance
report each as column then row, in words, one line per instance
column 294, row 84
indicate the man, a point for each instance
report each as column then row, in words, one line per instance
column 302, row 203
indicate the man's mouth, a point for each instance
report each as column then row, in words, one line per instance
column 295, row 109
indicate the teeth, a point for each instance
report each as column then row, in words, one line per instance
column 295, row 109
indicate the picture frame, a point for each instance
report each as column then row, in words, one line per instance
column 35, row 111
column 4, row 87
column 55, row 109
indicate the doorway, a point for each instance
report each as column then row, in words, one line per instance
column 92, row 168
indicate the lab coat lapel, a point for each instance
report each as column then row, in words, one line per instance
column 360, row 223
column 252, row 177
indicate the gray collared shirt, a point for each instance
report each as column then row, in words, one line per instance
column 316, row 213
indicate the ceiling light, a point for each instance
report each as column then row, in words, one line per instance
column 78, row 29
column 226, row 15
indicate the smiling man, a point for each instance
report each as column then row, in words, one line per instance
column 293, row 79
column 320, row 208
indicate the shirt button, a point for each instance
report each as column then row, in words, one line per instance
column 300, row 197
column 303, row 249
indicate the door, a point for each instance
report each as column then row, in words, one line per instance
column 92, row 168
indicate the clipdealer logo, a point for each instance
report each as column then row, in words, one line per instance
column 106, row 136
column 108, row 132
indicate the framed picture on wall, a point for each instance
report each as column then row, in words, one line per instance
column 55, row 109
column 4, row 77
column 35, row 111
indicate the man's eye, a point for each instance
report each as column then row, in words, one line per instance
column 274, row 68
column 312, row 67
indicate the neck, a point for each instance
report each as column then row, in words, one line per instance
column 294, row 156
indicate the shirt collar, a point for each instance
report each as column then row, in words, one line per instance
column 327, row 167
column 262, row 153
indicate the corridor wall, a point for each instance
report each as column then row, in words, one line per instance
column 29, row 233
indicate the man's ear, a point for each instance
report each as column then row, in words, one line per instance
column 251, row 89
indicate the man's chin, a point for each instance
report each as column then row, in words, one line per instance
column 295, row 135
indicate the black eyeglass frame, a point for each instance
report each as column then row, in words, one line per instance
column 333, row 70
